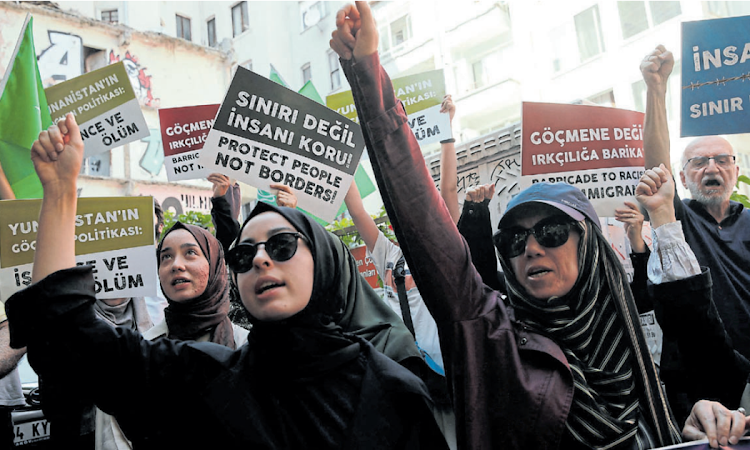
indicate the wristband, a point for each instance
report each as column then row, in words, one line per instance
column 447, row 141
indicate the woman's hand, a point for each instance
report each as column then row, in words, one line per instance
column 478, row 194
column 221, row 184
column 285, row 196
column 713, row 421
column 58, row 154
column 632, row 218
column 448, row 106
column 356, row 34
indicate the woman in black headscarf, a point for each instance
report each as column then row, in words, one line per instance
column 309, row 376
column 339, row 302
column 312, row 360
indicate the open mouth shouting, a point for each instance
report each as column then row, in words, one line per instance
column 535, row 273
column 267, row 284
column 712, row 182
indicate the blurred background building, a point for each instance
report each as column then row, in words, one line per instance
column 494, row 56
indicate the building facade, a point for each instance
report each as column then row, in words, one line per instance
column 494, row 54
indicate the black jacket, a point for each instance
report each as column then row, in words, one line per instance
column 170, row 394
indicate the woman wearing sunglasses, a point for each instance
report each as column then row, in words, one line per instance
column 563, row 364
column 311, row 375
column 318, row 330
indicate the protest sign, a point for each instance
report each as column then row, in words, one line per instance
column 183, row 132
column 114, row 234
column 105, row 107
column 366, row 266
column 597, row 149
column 421, row 94
column 265, row 133
column 714, row 76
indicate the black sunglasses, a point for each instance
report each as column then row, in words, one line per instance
column 279, row 247
column 550, row 232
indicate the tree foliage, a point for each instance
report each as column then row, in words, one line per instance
column 190, row 217
column 344, row 228
column 742, row 198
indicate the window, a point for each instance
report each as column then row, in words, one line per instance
column 240, row 20
column 589, row 33
column 400, row 31
column 729, row 9
column 633, row 18
column 636, row 17
column 663, row 11
column 489, row 69
column 335, row 69
column 395, row 33
column 477, row 72
column 313, row 13
column 110, row 15
column 306, row 73
column 183, row 27
column 211, row 30
column 562, row 45
column 606, row 98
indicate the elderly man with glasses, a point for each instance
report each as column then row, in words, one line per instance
column 717, row 229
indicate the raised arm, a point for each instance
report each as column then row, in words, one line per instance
column 632, row 218
column 436, row 253
column 57, row 157
column 681, row 293
column 476, row 228
column 225, row 222
column 449, row 164
column 655, row 68
column 366, row 226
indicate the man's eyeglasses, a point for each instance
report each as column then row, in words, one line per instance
column 550, row 232
column 699, row 162
column 279, row 247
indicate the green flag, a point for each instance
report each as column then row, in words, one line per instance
column 309, row 91
column 276, row 77
column 23, row 115
column 365, row 186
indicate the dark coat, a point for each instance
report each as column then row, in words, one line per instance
column 204, row 395
column 512, row 386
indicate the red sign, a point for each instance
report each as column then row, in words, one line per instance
column 564, row 138
column 185, row 129
column 597, row 149
column 183, row 132
column 365, row 266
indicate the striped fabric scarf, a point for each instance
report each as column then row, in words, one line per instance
column 589, row 327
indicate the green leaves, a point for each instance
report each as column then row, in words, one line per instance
column 742, row 198
column 192, row 217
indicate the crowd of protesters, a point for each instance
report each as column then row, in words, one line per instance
column 546, row 352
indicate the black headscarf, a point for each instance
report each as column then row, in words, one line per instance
column 341, row 303
column 188, row 320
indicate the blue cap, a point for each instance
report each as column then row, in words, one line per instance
column 562, row 196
